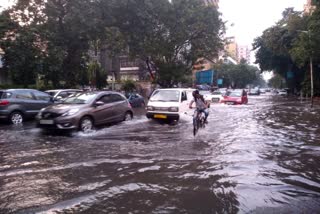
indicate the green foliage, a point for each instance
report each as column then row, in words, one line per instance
column 238, row 76
column 277, row 82
column 54, row 38
column 282, row 48
column 172, row 35
column 128, row 86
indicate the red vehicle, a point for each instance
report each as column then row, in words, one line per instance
column 235, row 97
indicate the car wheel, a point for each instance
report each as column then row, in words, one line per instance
column 128, row 116
column 16, row 117
column 86, row 124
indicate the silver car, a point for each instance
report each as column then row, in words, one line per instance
column 16, row 105
column 83, row 111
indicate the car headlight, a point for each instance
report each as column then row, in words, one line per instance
column 173, row 109
column 70, row 112
column 39, row 115
column 150, row 108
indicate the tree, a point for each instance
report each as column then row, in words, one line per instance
column 171, row 34
column 238, row 76
column 276, row 49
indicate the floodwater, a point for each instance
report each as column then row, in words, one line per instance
column 263, row 157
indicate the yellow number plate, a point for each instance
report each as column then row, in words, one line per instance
column 160, row 116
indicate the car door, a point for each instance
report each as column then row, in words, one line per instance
column 184, row 103
column 119, row 107
column 42, row 100
column 104, row 113
column 25, row 101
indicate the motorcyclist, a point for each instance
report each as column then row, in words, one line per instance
column 201, row 104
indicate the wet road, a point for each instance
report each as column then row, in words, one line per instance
column 257, row 158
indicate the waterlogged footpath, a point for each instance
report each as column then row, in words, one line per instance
column 258, row 158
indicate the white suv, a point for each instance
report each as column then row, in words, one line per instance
column 169, row 104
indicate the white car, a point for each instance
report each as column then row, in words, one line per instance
column 212, row 97
column 283, row 92
column 169, row 103
column 59, row 94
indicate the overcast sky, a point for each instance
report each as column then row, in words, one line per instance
column 252, row 17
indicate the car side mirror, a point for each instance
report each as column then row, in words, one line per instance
column 99, row 103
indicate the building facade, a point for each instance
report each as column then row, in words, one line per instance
column 231, row 48
column 244, row 53
column 308, row 7
column 212, row 3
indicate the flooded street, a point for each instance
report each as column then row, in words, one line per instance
column 257, row 158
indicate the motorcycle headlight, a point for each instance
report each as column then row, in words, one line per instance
column 70, row 112
column 173, row 109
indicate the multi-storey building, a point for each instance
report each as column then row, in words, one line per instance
column 231, row 48
column 244, row 53
column 212, row 2
column 308, row 7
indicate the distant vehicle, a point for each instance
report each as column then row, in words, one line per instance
column 16, row 105
column 217, row 96
column 59, row 94
column 235, row 97
column 169, row 104
column 283, row 92
column 136, row 100
column 223, row 91
column 254, row 91
column 263, row 90
column 83, row 111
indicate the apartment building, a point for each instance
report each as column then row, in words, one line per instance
column 244, row 53
column 308, row 7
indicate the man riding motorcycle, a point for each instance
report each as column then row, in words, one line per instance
column 201, row 105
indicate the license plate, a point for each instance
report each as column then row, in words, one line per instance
column 160, row 116
column 215, row 99
column 46, row 122
column 229, row 103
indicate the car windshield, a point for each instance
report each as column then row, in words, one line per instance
column 79, row 98
column 234, row 94
column 166, row 96
column 204, row 92
column 216, row 93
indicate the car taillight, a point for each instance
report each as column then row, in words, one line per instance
column 129, row 105
column 4, row 102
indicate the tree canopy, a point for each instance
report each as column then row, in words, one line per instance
column 52, row 39
column 286, row 48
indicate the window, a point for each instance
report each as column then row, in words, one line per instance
column 116, row 98
column 41, row 96
column 25, row 95
column 106, row 99
column 5, row 95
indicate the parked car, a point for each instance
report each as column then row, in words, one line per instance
column 83, row 111
column 235, row 97
column 169, row 104
column 283, row 92
column 254, row 91
column 59, row 94
column 16, row 105
column 136, row 100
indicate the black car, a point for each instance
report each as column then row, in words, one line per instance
column 16, row 105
